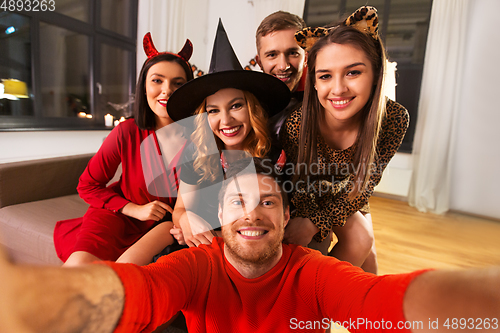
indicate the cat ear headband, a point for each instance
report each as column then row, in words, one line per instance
column 151, row 52
column 365, row 19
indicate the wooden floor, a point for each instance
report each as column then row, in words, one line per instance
column 407, row 239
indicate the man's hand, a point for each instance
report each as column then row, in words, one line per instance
column 154, row 210
column 300, row 230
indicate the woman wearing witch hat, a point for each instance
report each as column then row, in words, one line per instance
column 229, row 108
column 121, row 213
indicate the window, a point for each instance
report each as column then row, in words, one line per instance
column 67, row 67
column 403, row 27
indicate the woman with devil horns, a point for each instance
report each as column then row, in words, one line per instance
column 148, row 148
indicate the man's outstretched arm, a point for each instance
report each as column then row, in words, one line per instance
column 455, row 300
column 53, row 299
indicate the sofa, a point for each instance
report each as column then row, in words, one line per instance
column 34, row 195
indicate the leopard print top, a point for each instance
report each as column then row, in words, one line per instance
column 325, row 200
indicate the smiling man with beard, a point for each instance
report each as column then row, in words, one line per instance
column 253, row 222
column 253, row 283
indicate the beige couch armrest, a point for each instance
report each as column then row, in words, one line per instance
column 33, row 180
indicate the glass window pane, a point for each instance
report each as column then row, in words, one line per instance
column 407, row 30
column 77, row 9
column 64, row 72
column 325, row 12
column 15, row 66
column 115, row 16
column 115, row 70
column 322, row 12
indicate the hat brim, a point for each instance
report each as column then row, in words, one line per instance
column 272, row 93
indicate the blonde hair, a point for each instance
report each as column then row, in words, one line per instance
column 257, row 143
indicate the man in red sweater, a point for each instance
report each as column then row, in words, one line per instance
column 250, row 282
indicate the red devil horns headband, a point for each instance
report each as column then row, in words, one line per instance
column 150, row 49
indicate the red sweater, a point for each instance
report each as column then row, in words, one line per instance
column 304, row 290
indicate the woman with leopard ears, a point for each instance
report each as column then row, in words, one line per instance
column 346, row 133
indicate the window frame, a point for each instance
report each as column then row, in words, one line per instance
column 97, row 37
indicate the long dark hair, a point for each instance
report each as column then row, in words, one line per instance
column 372, row 113
column 144, row 116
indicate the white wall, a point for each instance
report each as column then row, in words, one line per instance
column 475, row 178
column 20, row 146
column 397, row 177
column 171, row 22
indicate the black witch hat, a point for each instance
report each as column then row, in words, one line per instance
column 226, row 72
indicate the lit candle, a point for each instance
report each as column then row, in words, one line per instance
column 122, row 119
column 108, row 120
column 89, row 116
column 117, row 122
column 82, row 115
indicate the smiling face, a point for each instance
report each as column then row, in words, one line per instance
column 344, row 80
column 162, row 80
column 228, row 116
column 280, row 56
column 253, row 220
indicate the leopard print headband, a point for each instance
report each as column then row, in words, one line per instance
column 365, row 19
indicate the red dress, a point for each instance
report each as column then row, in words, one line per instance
column 103, row 231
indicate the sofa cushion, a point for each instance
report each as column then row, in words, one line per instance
column 26, row 229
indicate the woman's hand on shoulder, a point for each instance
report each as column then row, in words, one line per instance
column 177, row 233
column 195, row 230
column 154, row 210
